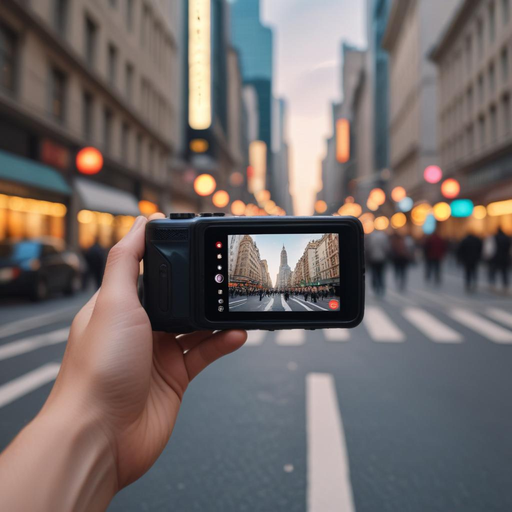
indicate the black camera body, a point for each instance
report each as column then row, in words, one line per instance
column 209, row 272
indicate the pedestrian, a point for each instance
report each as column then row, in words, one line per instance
column 469, row 254
column 500, row 262
column 96, row 259
column 115, row 402
column 488, row 256
column 401, row 254
column 286, row 295
column 435, row 250
column 377, row 252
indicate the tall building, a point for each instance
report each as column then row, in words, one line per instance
column 85, row 73
column 283, row 278
column 233, row 250
column 254, row 42
column 474, row 116
column 413, row 28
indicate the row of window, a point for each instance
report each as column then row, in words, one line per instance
column 490, row 128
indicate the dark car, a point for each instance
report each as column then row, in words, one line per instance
column 37, row 268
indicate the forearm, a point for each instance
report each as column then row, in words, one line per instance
column 59, row 462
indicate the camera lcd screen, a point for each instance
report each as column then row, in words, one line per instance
column 281, row 273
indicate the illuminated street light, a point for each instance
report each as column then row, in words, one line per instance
column 442, row 211
column 399, row 220
column 89, row 161
column 199, row 145
column 450, row 188
column 433, row 174
column 398, row 193
column 220, row 199
column 204, row 185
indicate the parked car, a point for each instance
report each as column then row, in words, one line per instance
column 38, row 268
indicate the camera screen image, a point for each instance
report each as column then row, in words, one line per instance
column 284, row 272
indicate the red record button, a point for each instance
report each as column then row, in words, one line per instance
column 218, row 245
column 333, row 304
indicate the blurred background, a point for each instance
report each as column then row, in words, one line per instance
column 397, row 112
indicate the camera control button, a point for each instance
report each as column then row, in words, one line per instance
column 206, row 214
column 219, row 214
column 181, row 216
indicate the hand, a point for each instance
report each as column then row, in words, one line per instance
column 122, row 381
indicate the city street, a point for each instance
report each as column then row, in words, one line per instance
column 277, row 303
column 409, row 412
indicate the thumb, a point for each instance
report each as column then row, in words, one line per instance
column 123, row 263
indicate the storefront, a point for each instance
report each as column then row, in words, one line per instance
column 34, row 199
column 105, row 214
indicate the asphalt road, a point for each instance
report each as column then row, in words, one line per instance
column 277, row 303
column 409, row 412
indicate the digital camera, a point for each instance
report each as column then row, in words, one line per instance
column 210, row 272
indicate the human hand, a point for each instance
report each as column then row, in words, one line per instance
column 122, row 380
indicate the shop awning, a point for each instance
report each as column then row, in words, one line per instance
column 27, row 172
column 102, row 198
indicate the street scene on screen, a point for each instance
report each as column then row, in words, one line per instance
column 277, row 273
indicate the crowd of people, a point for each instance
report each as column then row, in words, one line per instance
column 403, row 251
column 311, row 293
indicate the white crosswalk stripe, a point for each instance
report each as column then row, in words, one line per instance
column 380, row 327
column 431, row 327
column 293, row 338
column 484, row 327
column 500, row 316
column 29, row 382
column 337, row 335
column 33, row 343
column 255, row 338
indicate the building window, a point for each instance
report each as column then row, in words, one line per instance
column 129, row 82
column 8, row 61
column 492, row 79
column 125, row 134
column 57, row 95
column 480, row 36
column 143, row 25
column 470, row 140
column 60, row 16
column 150, row 159
column 107, row 130
column 505, row 7
column 138, row 152
column 504, row 65
column 481, row 128
column 470, row 102
column 492, row 22
column 494, row 125
column 112, row 64
column 113, row 3
column 506, row 115
column 469, row 54
column 129, row 14
column 91, row 35
column 481, row 91
column 87, row 115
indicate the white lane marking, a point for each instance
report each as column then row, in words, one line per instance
column 336, row 335
column 329, row 487
column 292, row 338
column 237, row 301
column 269, row 305
column 34, row 322
column 285, row 304
column 303, row 305
column 486, row 328
column 32, row 343
column 380, row 327
column 431, row 327
column 311, row 304
column 238, row 305
column 29, row 382
column 255, row 338
column 500, row 316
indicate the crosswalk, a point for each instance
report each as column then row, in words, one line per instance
column 454, row 325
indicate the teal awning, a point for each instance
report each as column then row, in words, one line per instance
column 27, row 172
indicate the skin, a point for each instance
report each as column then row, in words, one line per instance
column 114, row 404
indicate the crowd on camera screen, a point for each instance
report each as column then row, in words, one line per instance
column 313, row 293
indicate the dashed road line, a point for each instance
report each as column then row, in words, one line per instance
column 25, row 345
column 380, row 327
column 291, row 338
column 431, row 327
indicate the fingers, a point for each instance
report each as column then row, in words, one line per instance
column 156, row 216
column 189, row 341
column 122, row 270
column 212, row 348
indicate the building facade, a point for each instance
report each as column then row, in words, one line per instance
column 248, row 268
column 473, row 58
column 412, row 29
column 76, row 74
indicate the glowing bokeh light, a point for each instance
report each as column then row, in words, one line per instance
column 238, row 207
column 204, row 185
column 433, row 174
column 419, row 214
column 399, row 220
column 381, row 223
column 480, row 212
column 89, row 161
column 320, row 206
column 220, row 199
column 406, row 204
column 429, row 226
column 378, row 196
column 398, row 193
column 450, row 188
column 442, row 211
column 462, row 208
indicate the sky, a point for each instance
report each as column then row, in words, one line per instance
column 307, row 50
column 270, row 247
